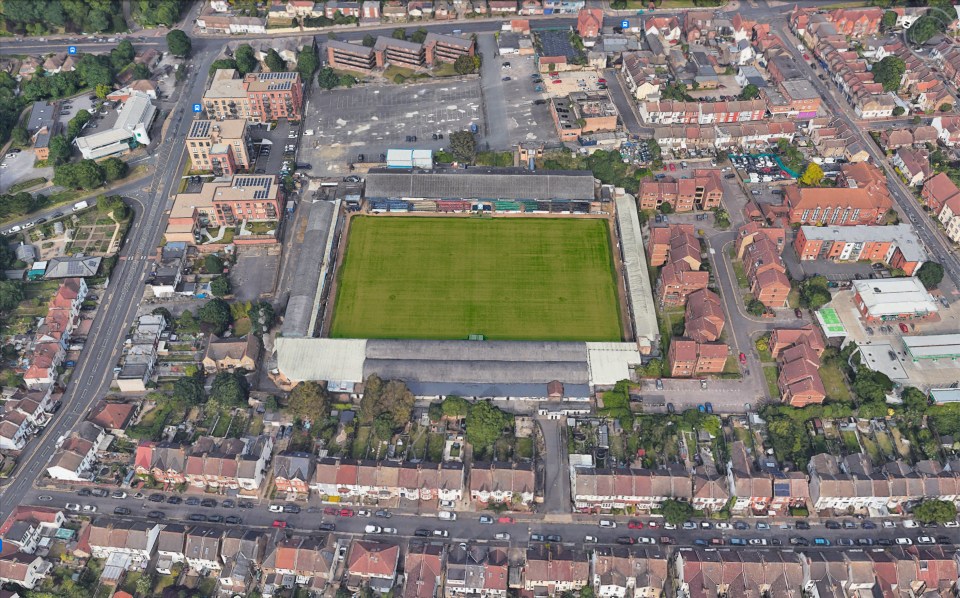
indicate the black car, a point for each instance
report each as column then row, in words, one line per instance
column 121, row 511
column 197, row 517
column 537, row 538
column 228, row 504
column 233, row 520
column 84, row 492
column 291, row 509
column 100, row 492
column 831, row 525
column 867, row 524
column 944, row 540
column 626, row 540
column 554, row 538
column 41, row 220
column 58, row 215
column 384, row 514
column 245, row 504
column 885, row 542
column 360, row 157
column 208, row 502
column 193, row 501
column 422, row 533
column 156, row 515
column 865, row 541
column 174, row 500
column 776, row 542
column 845, row 542
column 802, row 524
column 215, row 518
column 156, row 498
column 329, row 527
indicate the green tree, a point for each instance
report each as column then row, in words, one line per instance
column 465, row 65
column 114, row 204
column 309, row 401
column 391, row 397
column 230, row 389
column 889, row 72
column 399, row 33
column 888, row 21
column 587, row 592
column 274, row 61
column 140, row 71
column 11, row 294
column 189, row 390
column 871, row 386
column 369, row 41
column 327, row 78
column 223, row 63
column 76, row 124
column 419, row 36
column 676, row 512
column 307, row 64
column 930, row 274
column 924, row 28
column 898, row 110
column 178, row 43
column 946, row 107
column 454, row 406
column 114, row 169
column 212, row 264
column 220, row 286
column 262, row 317
column 814, row 293
column 934, row 510
column 85, row 174
column 20, row 136
column 755, row 307
column 750, row 92
column 122, row 55
column 187, row 323
column 216, row 315
column 812, row 176
column 102, row 90
column 666, row 208
column 463, row 145
column 59, row 149
column 485, row 424
column 914, row 401
column 246, row 59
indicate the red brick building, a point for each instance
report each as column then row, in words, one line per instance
column 677, row 281
column 689, row 358
column 704, row 318
column 589, row 22
column 766, row 273
column 937, row 191
column 702, row 192
column 895, row 245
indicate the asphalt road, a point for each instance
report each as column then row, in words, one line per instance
column 467, row 527
column 149, row 199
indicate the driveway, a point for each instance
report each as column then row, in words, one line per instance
column 556, row 485
column 495, row 132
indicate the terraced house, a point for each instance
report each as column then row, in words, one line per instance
column 352, row 480
column 604, row 489
column 502, row 483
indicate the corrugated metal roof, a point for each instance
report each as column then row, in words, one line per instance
column 491, row 183
column 639, row 289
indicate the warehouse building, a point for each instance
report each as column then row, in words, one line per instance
column 934, row 347
column 131, row 129
column 893, row 299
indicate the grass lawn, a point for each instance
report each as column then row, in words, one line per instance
column 24, row 185
column 886, row 446
column 740, row 273
column 770, row 374
column 525, row 448
column 504, row 278
column 872, row 449
column 850, row 441
column 834, row 383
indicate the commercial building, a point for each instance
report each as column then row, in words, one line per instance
column 257, row 97
column 224, row 203
column 350, row 57
column 895, row 245
column 41, row 126
column 223, row 147
column 893, row 299
column 933, row 347
column 702, row 192
column 131, row 129
column 581, row 113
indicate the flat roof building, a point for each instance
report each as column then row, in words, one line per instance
column 896, row 245
column 223, row 147
column 399, row 53
column 933, row 346
column 893, row 299
column 253, row 197
column 131, row 129
column 258, row 97
column 480, row 183
column 351, row 57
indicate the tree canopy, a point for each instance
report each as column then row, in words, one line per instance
column 871, row 386
column 307, row 64
column 888, row 21
column 114, row 169
column 465, row 65
column 85, row 174
column 261, row 317
column 246, row 59
column 274, row 61
column 485, row 424
column 75, row 126
column 889, row 72
column 391, row 398
column 814, row 293
column 216, row 314
column 812, row 176
column 189, row 390
column 213, row 264
column 463, row 145
column 750, row 92
column 676, row 511
column 309, row 401
column 220, row 286
column 230, row 389
column 934, row 510
column 179, row 43
column 930, row 274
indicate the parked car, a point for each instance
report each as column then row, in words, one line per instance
column 215, row 518
column 441, row 533
column 904, row 542
column 502, row 536
column 626, row 540
column 233, row 520
column 279, row 523
column 198, row 517
column 328, row 527
column 486, row 520
column 121, row 511
column 821, row 542
column 635, row 524
column 156, row 515
column 554, row 538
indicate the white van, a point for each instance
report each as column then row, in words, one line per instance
column 447, row 515
column 607, row 523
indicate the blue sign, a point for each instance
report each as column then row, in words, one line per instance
column 197, row 108
column 72, row 50
column 625, row 24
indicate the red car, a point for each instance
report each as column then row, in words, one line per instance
column 743, row 358
column 554, row 75
column 806, row 57
column 505, row 520
column 601, row 80
column 278, row 523
column 634, row 524
column 673, row 167
column 557, row 81
column 346, row 512
column 903, row 327
column 330, row 511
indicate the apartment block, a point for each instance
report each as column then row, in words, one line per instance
column 221, row 147
column 582, row 113
column 663, row 238
column 835, row 206
column 690, row 358
column 897, row 246
column 257, row 97
column 704, row 319
column 350, row 57
column 399, row 52
column 766, row 273
column 937, row 191
column 702, row 192
column 447, row 48
column 224, row 203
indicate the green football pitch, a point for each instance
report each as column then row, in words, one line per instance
column 503, row 278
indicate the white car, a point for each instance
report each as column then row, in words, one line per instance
column 11, row 155
column 646, row 540
column 89, row 508
column 889, row 524
column 389, row 530
column 926, row 540
column 723, row 525
column 276, row 508
column 364, row 513
column 590, row 539
column 951, row 524
column 904, row 541
column 669, row 526
column 910, row 523
column 758, row 541
column 689, row 525
column 72, row 506
column 372, row 529
column 502, row 536
column 447, row 504
column 607, row 523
